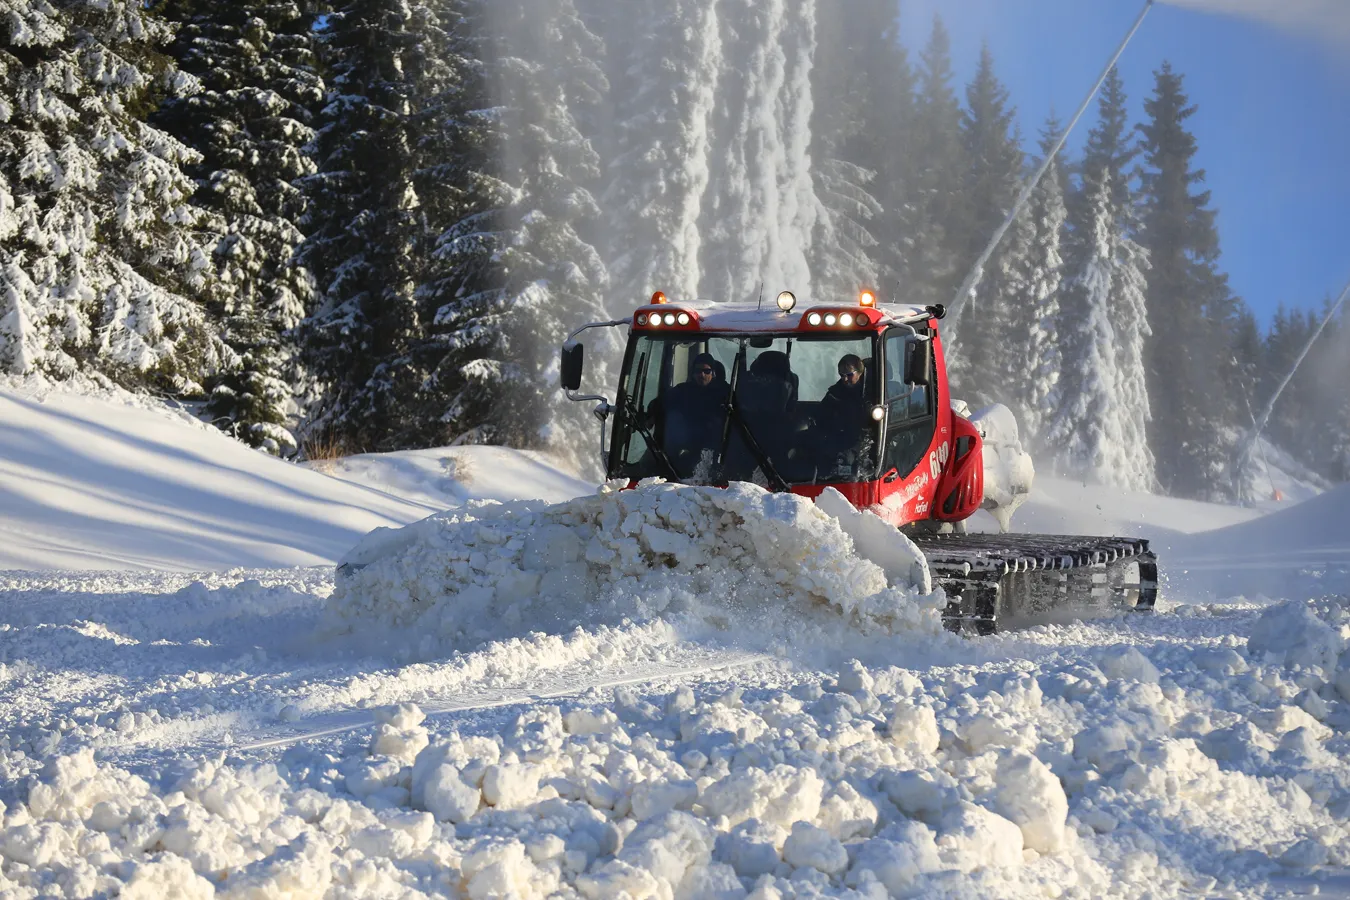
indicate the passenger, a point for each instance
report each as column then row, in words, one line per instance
column 695, row 408
column 844, row 408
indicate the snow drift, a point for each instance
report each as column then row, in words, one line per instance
column 1300, row 551
column 489, row 570
column 1169, row 770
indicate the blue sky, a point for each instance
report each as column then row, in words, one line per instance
column 1273, row 124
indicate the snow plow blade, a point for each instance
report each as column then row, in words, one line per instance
column 994, row 577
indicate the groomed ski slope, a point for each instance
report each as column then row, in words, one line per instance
column 722, row 724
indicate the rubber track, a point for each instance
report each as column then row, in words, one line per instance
column 975, row 569
column 967, row 555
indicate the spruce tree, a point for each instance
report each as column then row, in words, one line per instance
column 1101, row 421
column 251, row 122
column 1190, row 371
column 933, row 219
column 856, row 54
column 760, row 209
column 991, row 182
column 366, row 244
column 464, row 346
column 664, row 85
column 100, row 264
column 1032, row 361
column 546, row 74
column 1085, row 436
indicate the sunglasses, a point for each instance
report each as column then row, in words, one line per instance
column 704, row 370
column 850, row 373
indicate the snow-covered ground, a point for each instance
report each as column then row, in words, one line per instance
column 668, row 693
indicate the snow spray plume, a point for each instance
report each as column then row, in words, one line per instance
column 1245, row 457
column 1328, row 19
column 972, row 279
column 977, row 270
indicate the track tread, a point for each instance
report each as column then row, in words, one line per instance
column 974, row 569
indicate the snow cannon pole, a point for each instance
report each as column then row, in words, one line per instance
column 977, row 270
column 1259, row 425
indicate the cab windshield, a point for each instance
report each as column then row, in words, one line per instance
column 776, row 410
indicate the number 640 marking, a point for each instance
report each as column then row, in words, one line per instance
column 937, row 459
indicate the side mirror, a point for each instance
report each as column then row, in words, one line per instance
column 918, row 363
column 571, row 366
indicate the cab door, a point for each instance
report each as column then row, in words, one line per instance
column 908, row 475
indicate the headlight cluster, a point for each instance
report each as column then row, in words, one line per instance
column 670, row 319
column 835, row 320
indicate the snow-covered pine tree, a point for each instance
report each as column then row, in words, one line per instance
column 251, row 122
column 1033, row 364
column 885, row 83
column 1085, row 435
column 1190, row 362
column 544, row 73
column 993, row 157
column 99, row 261
column 1288, row 334
column 932, row 213
column 1097, row 434
column 464, row 349
column 760, row 205
column 845, row 251
column 367, row 237
column 663, row 71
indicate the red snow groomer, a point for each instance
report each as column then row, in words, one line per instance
column 852, row 396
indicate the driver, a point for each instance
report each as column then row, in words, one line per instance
column 695, row 408
column 844, row 407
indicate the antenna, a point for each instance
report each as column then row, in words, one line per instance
column 760, row 305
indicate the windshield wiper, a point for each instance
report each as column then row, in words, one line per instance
column 734, row 415
column 635, row 419
column 778, row 482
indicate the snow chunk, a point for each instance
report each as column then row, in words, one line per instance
column 171, row 876
column 752, row 847
column 1125, row 663
column 809, row 846
column 1030, row 795
column 897, row 857
column 1008, row 469
column 971, row 837
column 511, row 786
column 780, row 796
column 1291, row 634
column 915, row 727
column 879, row 541
column 447, row 796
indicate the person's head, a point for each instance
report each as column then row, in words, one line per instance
column 704, row 369
column 850, row 369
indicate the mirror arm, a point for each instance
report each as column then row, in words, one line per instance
column 602, row 407
column 572, row 342
column 572, row 338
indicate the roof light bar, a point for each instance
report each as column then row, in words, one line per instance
column 836, row 319
column 666, row 318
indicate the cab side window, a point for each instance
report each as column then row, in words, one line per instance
column 910, row 407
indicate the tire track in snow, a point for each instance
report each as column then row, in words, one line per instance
column 351, row 720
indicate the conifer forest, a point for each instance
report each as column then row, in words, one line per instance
column 368, row 226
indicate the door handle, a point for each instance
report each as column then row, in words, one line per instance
column 890, row 476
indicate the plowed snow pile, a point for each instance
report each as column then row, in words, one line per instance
column 686, row 554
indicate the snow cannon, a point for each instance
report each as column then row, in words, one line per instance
column 850, row 395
